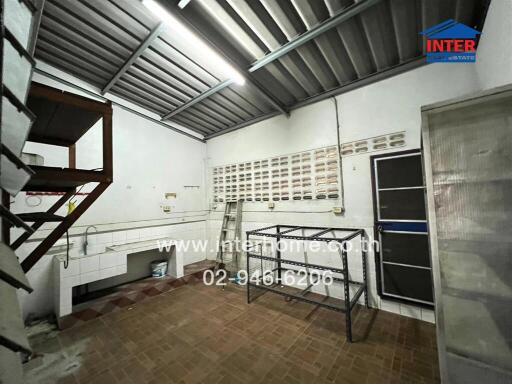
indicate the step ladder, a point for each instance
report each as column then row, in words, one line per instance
column 228, row 254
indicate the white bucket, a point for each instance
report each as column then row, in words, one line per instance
column 159, row 268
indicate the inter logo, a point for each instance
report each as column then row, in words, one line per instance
column 451, row 42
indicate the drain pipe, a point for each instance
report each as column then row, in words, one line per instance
column 342, row 183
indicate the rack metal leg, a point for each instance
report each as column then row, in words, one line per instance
column 364, row 249
column 278, row 256
column 247, row 270
column 348, row 309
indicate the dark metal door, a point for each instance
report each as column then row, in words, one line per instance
column 403, row 261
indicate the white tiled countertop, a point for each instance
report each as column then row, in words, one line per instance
column 84, row 269
column 140, row 246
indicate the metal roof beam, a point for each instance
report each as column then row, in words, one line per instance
column 332, row 22
column 197, row 99
column 281, row 51
column 267, row 96
column 155, row 32
column 238, row 65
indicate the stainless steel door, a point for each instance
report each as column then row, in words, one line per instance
column 400, row 219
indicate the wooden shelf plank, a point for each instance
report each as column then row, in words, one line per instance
column 33, row 217
column 55, row 179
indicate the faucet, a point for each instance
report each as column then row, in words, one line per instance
column 84, row 246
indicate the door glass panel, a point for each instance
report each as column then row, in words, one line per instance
column 402, row 205
column 408, row 282
column 400, row 172
column 405, row 248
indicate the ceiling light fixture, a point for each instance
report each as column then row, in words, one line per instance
column 195, row 42
column 183, row 3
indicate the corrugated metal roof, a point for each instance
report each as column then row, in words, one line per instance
column 93, row 39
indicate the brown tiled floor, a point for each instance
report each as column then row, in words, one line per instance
column 200, row 334
column 128, row 294
column 198, row 266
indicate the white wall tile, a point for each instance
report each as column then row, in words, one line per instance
column 119, row 237
column 145, row 233
column 108, row 260
column 428, row 315
column 89, row 264
column 103, row 238
column 390, row 306
column 132, row 235
column 68, row 282
column 94, row 249
column 73, row 268
column 65, row 297
column 121, row 259
column 160, row 231
column 108, row 272
column 89, row 277
column 92, row 238
column 410, row 311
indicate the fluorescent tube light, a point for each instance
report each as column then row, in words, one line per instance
column 183, row 3
column 195, row 43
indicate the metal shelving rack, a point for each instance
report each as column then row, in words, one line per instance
column 280, row 232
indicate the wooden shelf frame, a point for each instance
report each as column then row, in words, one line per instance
column 67, row 179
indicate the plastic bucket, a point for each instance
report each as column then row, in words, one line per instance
column 159, row 268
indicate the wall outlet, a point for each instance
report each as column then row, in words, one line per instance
column 271, row 205
column 337, row 210
column 166, row 208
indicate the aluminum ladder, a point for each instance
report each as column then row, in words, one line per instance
column 228, row 254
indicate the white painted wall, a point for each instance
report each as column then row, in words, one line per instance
column 494, row 58
column 385, row 107
column 149, row 160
